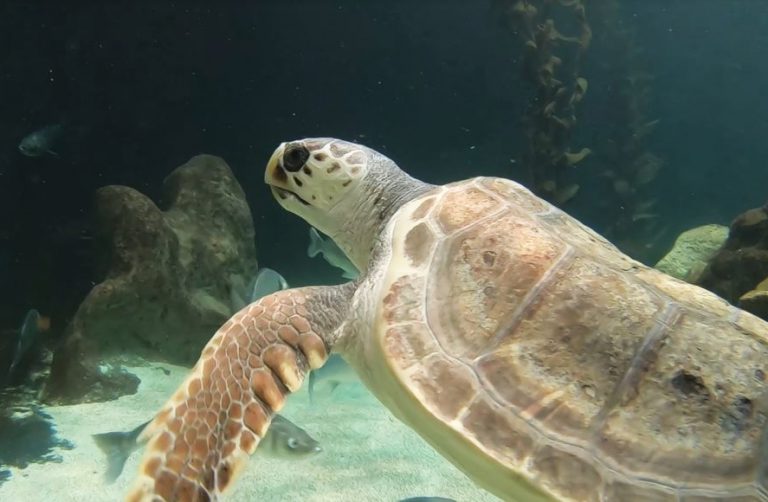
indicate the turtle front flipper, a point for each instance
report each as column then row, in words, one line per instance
column 204, row 434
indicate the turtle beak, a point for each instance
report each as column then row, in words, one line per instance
column 276, row 177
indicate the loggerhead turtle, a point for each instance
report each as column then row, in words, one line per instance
column 524, row 347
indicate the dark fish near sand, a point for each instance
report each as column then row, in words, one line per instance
column 284, row 440
column 42, row 141
column 33, row 325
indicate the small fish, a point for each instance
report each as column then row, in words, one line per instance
column 332, row 254
column 41, row 142
column 267, row 282
column 33, row 325
column 335, row 371
column 284, row 440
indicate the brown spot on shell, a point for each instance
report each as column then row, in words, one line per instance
column 320, row 156
column 737, row 416
column 418, row 244
column 335, row 166
column 460, row 208
column 689, row 385
column 307, row 170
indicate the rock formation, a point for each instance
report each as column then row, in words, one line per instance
column 692, row 250
column 168, row 279
column 738, row 272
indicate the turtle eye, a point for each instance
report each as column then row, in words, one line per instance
column 294, row 157
column 292, row 443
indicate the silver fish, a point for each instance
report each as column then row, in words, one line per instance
column 332, row 254
column 41, row 142
column 335, row 372
column 284, row 440
column 267, row 282
column 30, row 329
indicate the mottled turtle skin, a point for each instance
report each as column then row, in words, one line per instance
column 531, row 352
column 525, row 348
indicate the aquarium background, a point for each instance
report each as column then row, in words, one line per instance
column 434, row 84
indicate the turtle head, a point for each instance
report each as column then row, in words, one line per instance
column 347, row 191
column 317, row 178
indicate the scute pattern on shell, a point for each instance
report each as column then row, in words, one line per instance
column 534, row 339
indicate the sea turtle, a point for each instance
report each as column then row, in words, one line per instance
column 524, row 347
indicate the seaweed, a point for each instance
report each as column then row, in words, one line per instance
column 551, row 62
column 623, row 156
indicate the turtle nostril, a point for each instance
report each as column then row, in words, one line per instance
column 294, row 157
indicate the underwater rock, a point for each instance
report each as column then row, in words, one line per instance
column 168, row 279
column 741, row 265
column 691, row 251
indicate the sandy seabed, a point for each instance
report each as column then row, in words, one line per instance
column 367, row 454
